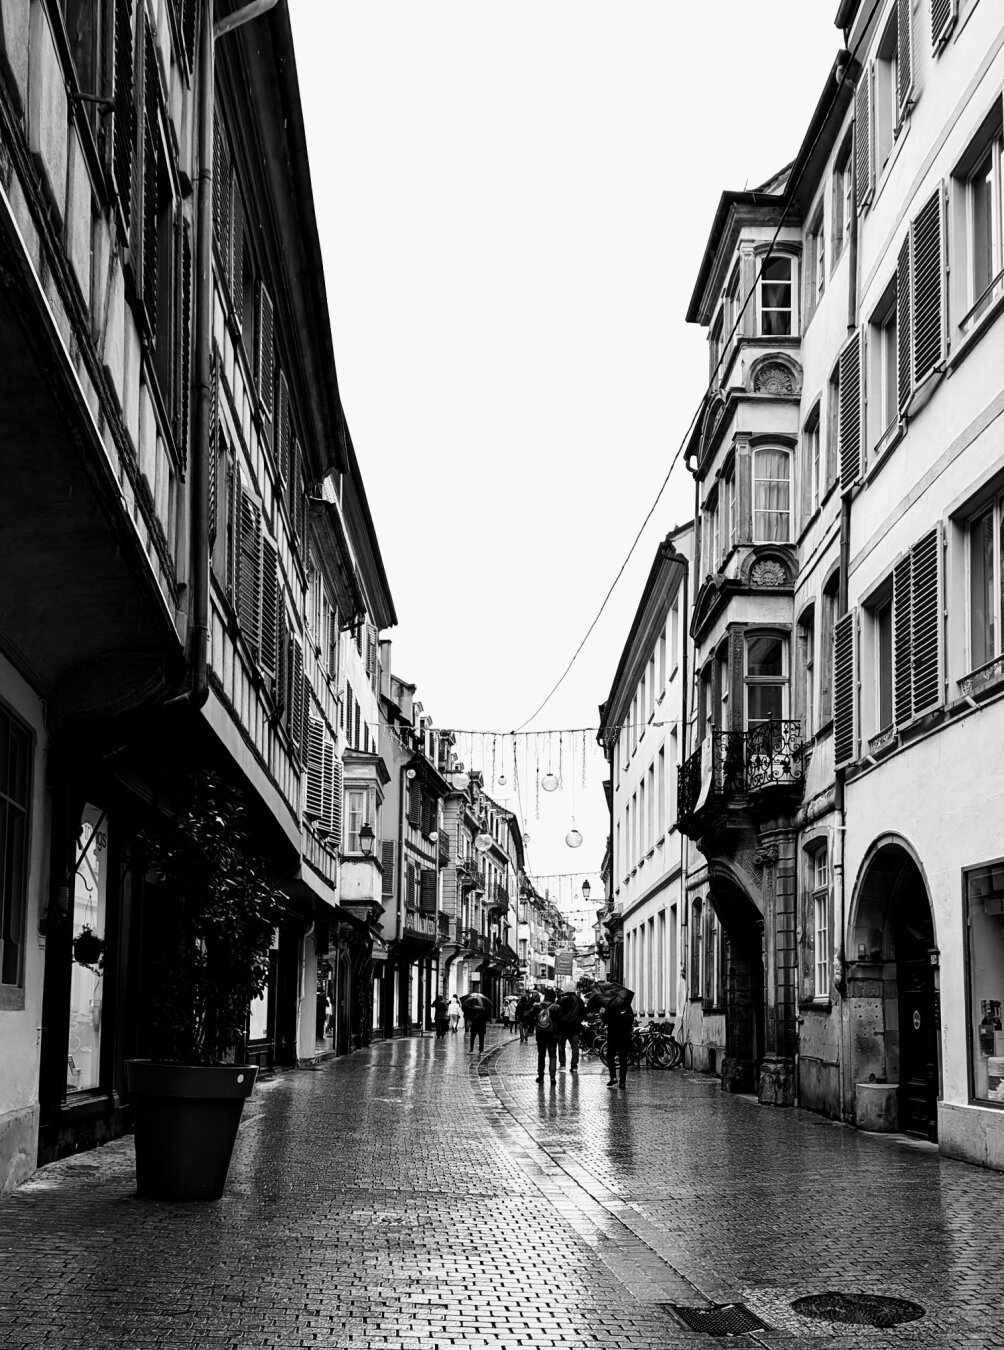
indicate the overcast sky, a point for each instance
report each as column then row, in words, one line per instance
column 513, row 201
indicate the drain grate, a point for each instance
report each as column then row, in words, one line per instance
column 861, row 1310
column 723, row 1319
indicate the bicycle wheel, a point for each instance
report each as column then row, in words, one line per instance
column 600, row 1049
column 660, row 1055
column 676, row 1050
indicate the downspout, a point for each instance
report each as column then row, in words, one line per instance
column 198, row 623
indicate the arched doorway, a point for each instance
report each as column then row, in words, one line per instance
column 745, row 1032
column 891, row 985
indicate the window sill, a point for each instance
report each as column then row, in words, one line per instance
column 781, row 340
column 884, row 446
column 969, row 340
column 985, row 680
column 822, row 1004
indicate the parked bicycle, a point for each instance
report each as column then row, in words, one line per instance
column 652, row 1043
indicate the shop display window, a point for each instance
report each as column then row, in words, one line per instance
column 984, row 891
column 90, row 894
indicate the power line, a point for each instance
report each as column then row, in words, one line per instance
column 789, row 197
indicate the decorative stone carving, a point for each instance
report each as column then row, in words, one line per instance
column 765, row 857
column 773, row 378
column 768, row 572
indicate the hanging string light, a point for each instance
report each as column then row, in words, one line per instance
column 573, row 838
column 583, row 760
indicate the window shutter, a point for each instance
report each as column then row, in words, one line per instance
column 902, row 643
column 371, row 650
column 221, row 196
column 234, row 509
column 904, row 345
column 845, row 700
column 282, row 427
column 282, row 661
column 214, row 446
column 269, row 607
column 249, row 591
column 189, row 10
column 148, row 243
column 335, row 818
column 313, row 799
column 237, row 247
column 928, row 283
column 333, row 637
column 387, row 850
column 427, row 902
column 942, row 18
column 328, row 803
column 305, row 692
column 357, row 726
column 414, row 802
column 863, row 139
column 904, row 54
column 264, row 357
column 926, row 621
column 124, row 115
column 183, row 369
column 850, row 412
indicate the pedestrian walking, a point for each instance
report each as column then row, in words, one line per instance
column 509, row 1011
column 546, row 1028
column 455, row 1013
column 571, row 1011
column 441, row 1015
column 530, row 1015
column 519, row 1017
column 620, row 1023
column 476, row 1009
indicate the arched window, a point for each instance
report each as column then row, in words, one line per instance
column 772, row 496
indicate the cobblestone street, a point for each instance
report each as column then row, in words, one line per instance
column 415, row 1195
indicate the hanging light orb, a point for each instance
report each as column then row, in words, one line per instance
column 549, row 782
column 461, row 781
column 483, row 842
column 526, row 839
column 501, row 780
column 573, row 839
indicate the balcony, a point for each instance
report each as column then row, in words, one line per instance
column 444, row 848
column 500, row 901
column 419, row 927
column 446, row 927
column 475, row 940
column 761, row 769
column 470, row 875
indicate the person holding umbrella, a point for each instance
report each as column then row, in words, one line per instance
column 476, row 1008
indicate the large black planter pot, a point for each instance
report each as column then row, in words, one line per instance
column 185, row 1119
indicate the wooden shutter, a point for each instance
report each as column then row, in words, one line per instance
column 264, row 356
column 928, row 288
column 335, row 817
column 269, row 608
column 234, row 506
column 845, row 694
column 282, row 658
column 427, row 901
column 943, row 14
column 282, row 430
column 313, row 797
column 305, row 692
column 237, row 248
column 357, row 726
column 863, row 157
column 297, row 720
column 214, row 446
column 189, row 11
column 904, row 329
column 183, row 366
column 333, row 639
column 414, row 802
column 850, row 412
column 902, row 643
column 146, row 228
column 904, row 54
column 249, row 587
column 221, row 196
column 124, row 115
column 327, row 808
column 387, row 851
column 409, row 894
column 926, row 621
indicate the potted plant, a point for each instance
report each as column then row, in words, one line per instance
column 188, row 1096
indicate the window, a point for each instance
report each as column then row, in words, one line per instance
column 821, row 921
column 816, row 261
column 832, row 425
column 812, row 466
column 90, row 910
column 807, row 644
column 731, row 514
column 776, row 296
column 984, row 904
column 661, row 826
column 843, row 198
column 986, row 549
column 771, row 496
column 982, row 227
column 356, row 815
column 886, row 109
column 882, row 615
column 766, row 679
column 696, row 949
column 15, row 801
column 723, row 686
column 717, row 349
column 883, row 355
column 662, row 663
column 730, row 317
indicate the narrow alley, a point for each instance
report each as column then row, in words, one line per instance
column 417, row 1195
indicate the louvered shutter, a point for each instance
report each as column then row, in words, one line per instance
column 214, row 446
column 221, row 196
column 414, row 802
column 124, row 115
column 333, row 638
column 183, row 366
column 845, row 695
column 282, row 441
column 928, row 288
column 357, row 726
column 148, row 244
column 235, row 498
column 863, row 172
column 237, row 247
column 904, row 54
column 904, row 329
column 298, row 707
column 902, row 641
column 249, row 589
column 269, row 607
column 926, row 621
column 942, row 17
column 327, row 807
column 427, row 900
column 410, row 887
column 850, row 412
column 282, row 660
column 335, row 818
column 387, row 851
column 265, row 355
column 305, row 692
column 189, row 11
column 313, row 797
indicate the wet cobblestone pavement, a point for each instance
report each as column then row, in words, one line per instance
column 414, row 1195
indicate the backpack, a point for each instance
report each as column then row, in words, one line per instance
column 547, row 1018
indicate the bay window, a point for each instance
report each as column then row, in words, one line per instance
column 771, row 496
column 766, row 678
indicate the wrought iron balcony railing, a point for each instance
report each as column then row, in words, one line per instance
column 470, row 874
column 768, row 755
column 420, row 925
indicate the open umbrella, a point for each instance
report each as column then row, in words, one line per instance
column 475, row 1003
column 608, row 994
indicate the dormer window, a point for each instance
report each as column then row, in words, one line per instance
column 776, row 297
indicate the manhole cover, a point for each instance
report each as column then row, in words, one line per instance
column 862, row 1310
column 724, row 1319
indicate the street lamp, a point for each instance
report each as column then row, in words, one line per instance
column 366, row 838
column 586, row 888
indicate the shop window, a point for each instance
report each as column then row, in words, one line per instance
column 776, row 312
column 90, row 902
column 984, row 903
column 986, row 548
column 771, row 496
column 821, row 922
column 15, row 801
column 766, row 679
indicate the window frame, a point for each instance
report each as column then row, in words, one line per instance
column 782, row 681
column 842, row 205
column 758, row 451
column 994, row 507
column 764, row 260
column 882, row 355
column 820, row 892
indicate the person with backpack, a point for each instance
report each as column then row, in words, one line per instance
column 546, row 1028
column 571, row 1011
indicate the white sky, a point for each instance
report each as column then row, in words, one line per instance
column 513, row 202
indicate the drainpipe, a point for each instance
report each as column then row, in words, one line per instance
column 198, row 623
